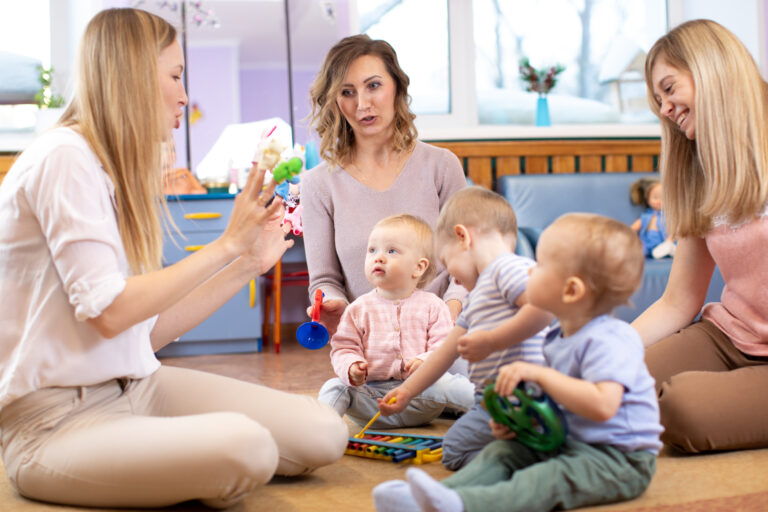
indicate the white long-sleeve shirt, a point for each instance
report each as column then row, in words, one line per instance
column 61, row 262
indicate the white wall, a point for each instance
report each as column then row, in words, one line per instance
column 745, row 18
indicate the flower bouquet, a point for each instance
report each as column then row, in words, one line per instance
column 539, row 80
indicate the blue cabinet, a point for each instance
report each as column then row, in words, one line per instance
column 236, row 326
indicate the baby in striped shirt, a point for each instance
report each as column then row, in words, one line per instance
column 387, row 333
column 476, row 235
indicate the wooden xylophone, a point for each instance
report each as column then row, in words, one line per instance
column 396, row 447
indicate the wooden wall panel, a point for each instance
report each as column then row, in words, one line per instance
column 5, row 163
column 536, row 165
column 479, row 170
column 484, row 161
column 507, row 165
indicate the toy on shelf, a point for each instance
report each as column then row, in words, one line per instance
column 406, row 448
column 313, row 335
column 535, row 418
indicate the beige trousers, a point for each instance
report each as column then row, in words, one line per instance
column 175, row 436
column 711, row 395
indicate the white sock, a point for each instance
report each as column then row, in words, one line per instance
column 431, row 495
column 394, row 496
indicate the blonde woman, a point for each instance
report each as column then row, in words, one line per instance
column 374, row 167
column 713, row 105
column 88, row 415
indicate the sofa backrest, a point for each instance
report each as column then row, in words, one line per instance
column 541, row 198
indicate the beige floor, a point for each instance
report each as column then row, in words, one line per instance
column 721, row 482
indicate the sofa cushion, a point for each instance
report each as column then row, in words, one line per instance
column 541, row 198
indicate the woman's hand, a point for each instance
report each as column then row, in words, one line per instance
column 270, row 246
column 330, row 314
column 250, row 214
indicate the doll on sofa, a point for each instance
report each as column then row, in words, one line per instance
column 650, row 227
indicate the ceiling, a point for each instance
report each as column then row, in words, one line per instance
column 258, row 28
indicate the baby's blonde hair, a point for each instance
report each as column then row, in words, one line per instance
column 606, row 254
column 424, row 238
column 478, row 208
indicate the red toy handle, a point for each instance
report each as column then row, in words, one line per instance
column 316, row 306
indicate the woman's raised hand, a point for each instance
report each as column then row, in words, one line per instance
column 254, row 226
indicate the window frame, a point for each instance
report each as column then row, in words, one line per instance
column 461, row 123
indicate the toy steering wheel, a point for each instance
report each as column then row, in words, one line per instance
column 548, row 430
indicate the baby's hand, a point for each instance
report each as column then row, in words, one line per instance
column 500, row 431
column 412, row 365
column 402, row 395
column 511, row 375
column 357, row 373
column 475, row 346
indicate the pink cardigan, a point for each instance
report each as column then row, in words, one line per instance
column 741, row 253
column 387, row 334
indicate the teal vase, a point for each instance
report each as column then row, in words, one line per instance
column 542, row 112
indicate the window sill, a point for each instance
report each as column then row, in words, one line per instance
column 563, row 131
column 15, row 142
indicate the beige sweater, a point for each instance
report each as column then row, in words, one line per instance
column 339, row 213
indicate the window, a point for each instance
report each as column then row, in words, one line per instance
column 25, row 43
column 474, row 65
column 418, row 31
column 601, row 43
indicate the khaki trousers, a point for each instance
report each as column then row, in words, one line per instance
column 711, row 395
column 174, row 436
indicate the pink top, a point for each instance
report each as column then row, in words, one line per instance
column 387, row 334
column 742, row 313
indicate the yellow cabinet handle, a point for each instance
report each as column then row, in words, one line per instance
column 252, row 287
column 202, row 215
column 193, row 248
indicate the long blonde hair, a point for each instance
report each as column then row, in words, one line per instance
column 724, row 171
column 119, row 111
column 337, row 140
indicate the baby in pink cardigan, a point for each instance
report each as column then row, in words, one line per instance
column 385, row 334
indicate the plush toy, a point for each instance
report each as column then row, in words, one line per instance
column 292, row 220
column 283, row 166
column 650, row 227
column 268, row 153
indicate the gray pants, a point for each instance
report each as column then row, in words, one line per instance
column 174, row 436
column 507, row 476
column 467, row 436
column 360, row 402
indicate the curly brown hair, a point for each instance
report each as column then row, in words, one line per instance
column 337, row 140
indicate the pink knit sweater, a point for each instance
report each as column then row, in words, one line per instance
column 388, row 333
column 741, row 253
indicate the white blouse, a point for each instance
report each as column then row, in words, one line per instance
column 61, row 262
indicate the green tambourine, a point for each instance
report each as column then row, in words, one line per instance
column 549, row 429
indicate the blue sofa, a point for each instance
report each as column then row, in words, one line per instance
column 539, row 199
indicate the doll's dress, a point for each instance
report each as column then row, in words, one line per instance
column 651, row 237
